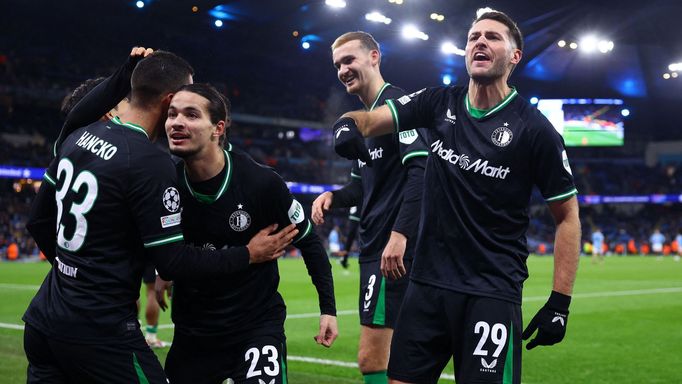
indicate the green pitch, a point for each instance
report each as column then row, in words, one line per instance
column 581, row 136
column 625, row 324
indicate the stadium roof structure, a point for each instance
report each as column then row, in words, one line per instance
column 256, row 41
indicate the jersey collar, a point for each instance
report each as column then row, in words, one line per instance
column 482, row 113
column 130, row 125
column 381, row 90
column 209, row 199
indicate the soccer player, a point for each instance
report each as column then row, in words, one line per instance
column 597, row 246
column 233, row 327
column 390, row 193
column 117, row 206
column 678, row 239
column 489, row 147
column 657, row 239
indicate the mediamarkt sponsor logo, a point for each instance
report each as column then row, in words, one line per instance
column 479, row 166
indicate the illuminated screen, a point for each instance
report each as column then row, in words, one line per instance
column 586, row 122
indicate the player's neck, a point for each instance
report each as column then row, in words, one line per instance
column 486, row 96
column 148, row 119
column 205, row 164
column 370, row 93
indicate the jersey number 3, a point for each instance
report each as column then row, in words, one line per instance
column 84, row 179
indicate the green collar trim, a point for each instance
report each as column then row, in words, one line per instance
column 481, row 113
column 130, row 125
column 383, row 87
column 210, row 199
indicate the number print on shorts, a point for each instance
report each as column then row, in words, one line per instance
column 498, row 337
column 78, row 210
column 253, row 354
column 370, row 291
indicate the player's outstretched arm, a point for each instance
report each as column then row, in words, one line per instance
column 376, row 122
column 552, row 319
column 329, row 331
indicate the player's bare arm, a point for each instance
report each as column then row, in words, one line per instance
column 566, row 243
column 373, row 123
column 392, row 258
column 321, row 205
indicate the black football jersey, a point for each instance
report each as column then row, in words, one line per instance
column 478, row 181
column 115, row 194
column 228, row 210
column 383, row 183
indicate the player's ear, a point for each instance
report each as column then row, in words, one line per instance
column 167, row 100
column 374, row 56
column 219, row 129
column 516, row 56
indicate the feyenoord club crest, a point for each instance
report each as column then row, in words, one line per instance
column 502, row 136
column 240, row 220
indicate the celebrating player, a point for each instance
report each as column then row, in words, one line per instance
column 489, row 147
column 388, row 182
column 234, row 327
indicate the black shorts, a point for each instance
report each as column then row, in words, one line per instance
column 482, row 334
column 252, row 359
column 54, row 361
column 149, row 275
column 380, row 297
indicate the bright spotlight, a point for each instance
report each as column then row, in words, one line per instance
column 666, row 76
column 588, row 44
column 434, row 16
column 605, row 46
column 447, row 79
column 481, row 11
column 377, row 18
column 561, row 43
column 675, row 67
column 140, row 4
column 305, row 45
column 625, row 112
column 534, row 100
column 673, row 75
column 218, row 23
column 411, row 32
column 335, row 3
column 573, row 45
column 449, row 48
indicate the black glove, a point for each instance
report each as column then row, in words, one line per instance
column 550, row 321
column 348, row 142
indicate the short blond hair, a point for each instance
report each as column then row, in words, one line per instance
column 364, row 38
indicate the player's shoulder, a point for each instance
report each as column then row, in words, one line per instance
column 534, row 120
column 249, row 169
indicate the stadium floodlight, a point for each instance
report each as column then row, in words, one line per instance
column 397, row 2
column 588, row 44
column 605, row 46
column 481, row 11
column 447, row 79
column 534, row 100
column 140, row 4
column 305, row 45
column 377, row 18
column 411, row 32
column 449, row 48
column 625, row 112
column 218, row 23
column 666, row 76
column 573, row 45
column 675, row 67
column 561, row 43
column 673, row 75
column 336, row 3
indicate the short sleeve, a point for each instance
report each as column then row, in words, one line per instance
column 416, row 109
column 155, row 199
column 50, row 175
column 549, row 163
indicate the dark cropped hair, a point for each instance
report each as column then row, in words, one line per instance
column 219, row 106
column 157, row 75
column 78, row 94
column 514, row 31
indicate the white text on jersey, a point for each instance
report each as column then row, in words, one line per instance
column 479, row 166
column 96, row 145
